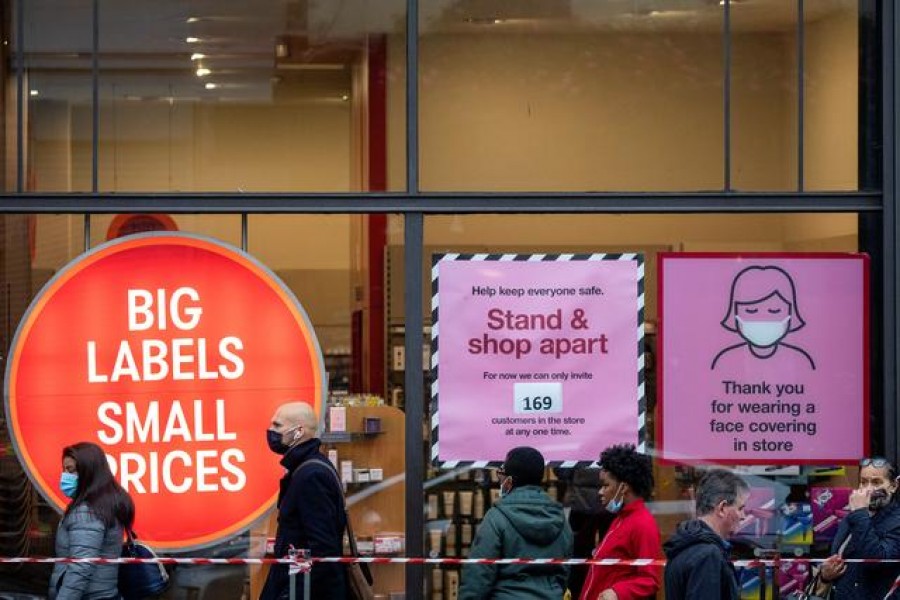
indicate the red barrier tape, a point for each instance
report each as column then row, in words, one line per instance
column 378, row 560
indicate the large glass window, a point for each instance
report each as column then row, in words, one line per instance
column 631, row 96
column 456, row 499
column 277, row 96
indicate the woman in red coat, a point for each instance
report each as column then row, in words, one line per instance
column 626, row 481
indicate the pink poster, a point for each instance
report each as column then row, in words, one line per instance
column 537, row 350
column 763, row 358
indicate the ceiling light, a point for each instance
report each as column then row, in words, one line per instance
column 211, row 86
column 193, row 20
column 203, row 72
column 197, row 56
column 192, row 40
column 33, row 93
column 484, row 21
column 345, row 97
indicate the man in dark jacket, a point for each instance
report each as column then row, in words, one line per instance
column 698, row 565
column 310, row 505
column 870, row 530
column 524, row 523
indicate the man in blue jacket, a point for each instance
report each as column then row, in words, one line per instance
column 698, row 565
column 311, row 511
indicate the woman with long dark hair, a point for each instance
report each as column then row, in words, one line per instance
column 92, row 526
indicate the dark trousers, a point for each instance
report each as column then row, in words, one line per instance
column 588, row 529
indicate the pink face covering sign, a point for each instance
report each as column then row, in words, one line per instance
column 536, row 350
column 763, row 358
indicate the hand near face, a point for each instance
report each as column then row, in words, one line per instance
column 608, row 594
column 833, row 567
column 859, row 498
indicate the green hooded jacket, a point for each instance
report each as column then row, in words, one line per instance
column 524, row 524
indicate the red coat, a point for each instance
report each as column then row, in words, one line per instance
column 633, row 534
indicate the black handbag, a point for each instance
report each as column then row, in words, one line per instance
column 140, row 580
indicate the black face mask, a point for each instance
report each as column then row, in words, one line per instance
column 276, row 445
column 879, row 499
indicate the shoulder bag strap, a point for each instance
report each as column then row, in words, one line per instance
column 350, row 537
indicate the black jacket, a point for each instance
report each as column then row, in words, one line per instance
column 876, row 536
column 311, row 516
column 698, row 565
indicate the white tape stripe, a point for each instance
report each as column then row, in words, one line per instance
column 416, row 560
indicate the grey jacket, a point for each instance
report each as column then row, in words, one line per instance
column 82, row 534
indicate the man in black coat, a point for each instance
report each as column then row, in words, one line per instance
column 311, row 511
column 698, row 565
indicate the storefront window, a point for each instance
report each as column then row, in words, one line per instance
column 456, row 498
column 571, row 96
column 831, row 94
column 629, row 96
column 206, row 97
column 57, row 92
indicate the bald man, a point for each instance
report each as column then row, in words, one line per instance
column 311, row 511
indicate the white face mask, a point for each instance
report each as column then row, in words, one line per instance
column 763, row 333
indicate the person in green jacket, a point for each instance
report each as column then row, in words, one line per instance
column 524, row 523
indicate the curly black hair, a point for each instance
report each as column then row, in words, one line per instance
column 624, row 463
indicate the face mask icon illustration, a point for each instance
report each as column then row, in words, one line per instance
column 762, row 311
column 763, row 333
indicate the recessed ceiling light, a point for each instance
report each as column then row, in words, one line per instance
column 197, row 56
column 203, row 72
column 34, row 93
column 484, row 21
column 345, row 97
column 192, row 40
column 193, row 20
column 211, row 86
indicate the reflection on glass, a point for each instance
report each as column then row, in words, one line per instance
column 35, row 248
column 764, row 125
column 571, row 96
column 330, row 264
column 448, row 510
column 233, row 96
column 57, row 117
column 831, row 95
column 224, row 228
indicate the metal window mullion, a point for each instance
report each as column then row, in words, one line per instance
column 413, row 320
column 95, row 114
column 414, row 394
column 726, row 93
column 801, row 91
column 412, row 97
column 20, row 96
column 890, row 226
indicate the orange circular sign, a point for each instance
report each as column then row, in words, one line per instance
column 171, row 352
